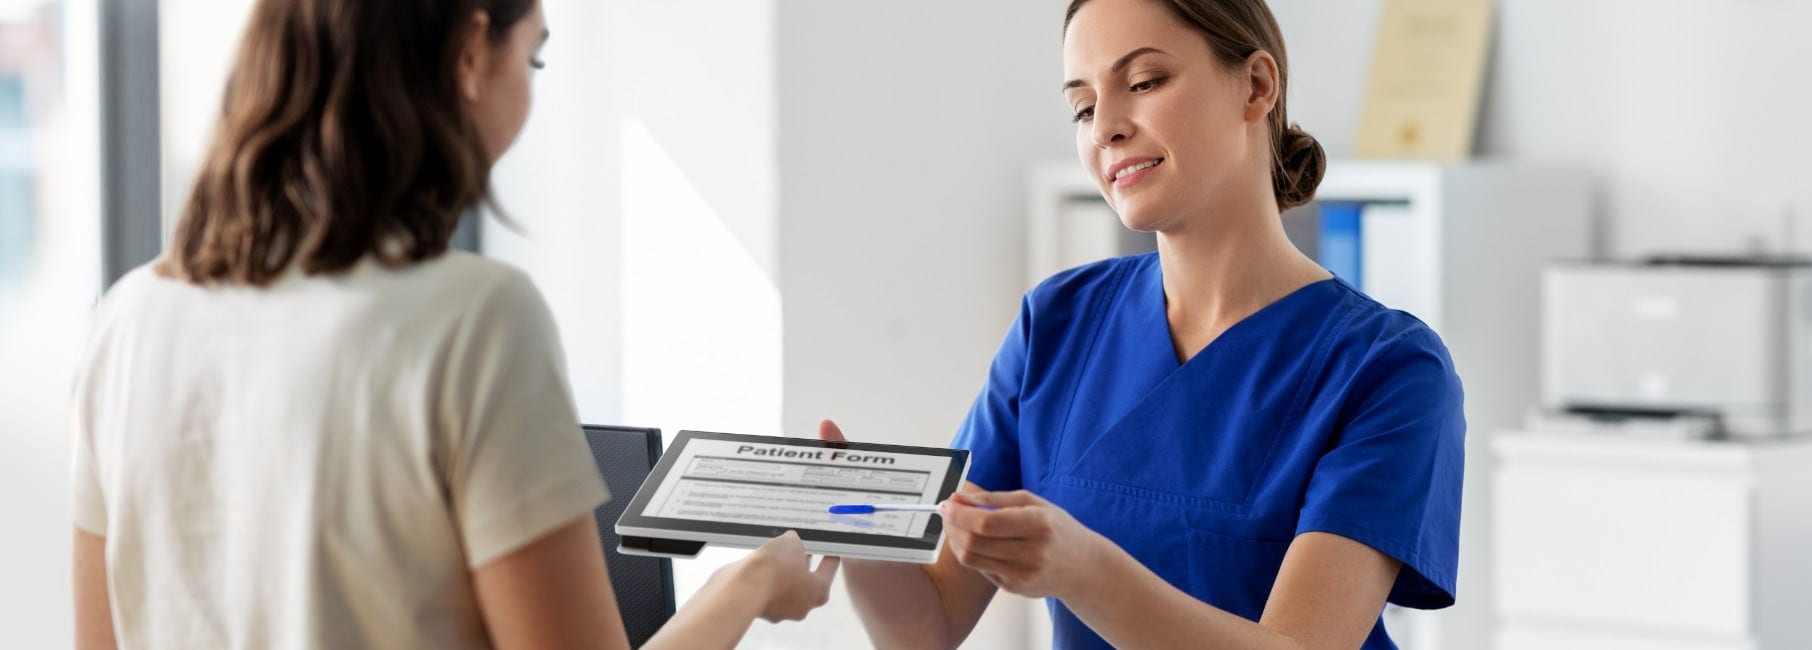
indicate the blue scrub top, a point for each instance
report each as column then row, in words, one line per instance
column 1324, row 411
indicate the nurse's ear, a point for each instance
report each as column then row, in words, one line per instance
column 1260, row 74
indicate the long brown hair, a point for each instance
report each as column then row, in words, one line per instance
column 1236, row 29
column 342, row 135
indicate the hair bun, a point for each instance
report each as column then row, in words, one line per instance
column 1300, row 164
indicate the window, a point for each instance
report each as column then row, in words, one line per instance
column 50, row 275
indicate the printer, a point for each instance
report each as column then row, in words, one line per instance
column 1721, row 340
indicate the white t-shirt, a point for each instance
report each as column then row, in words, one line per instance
column 322, row 462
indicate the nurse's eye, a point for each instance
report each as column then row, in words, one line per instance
column 1147, row 85
column 1083, row 115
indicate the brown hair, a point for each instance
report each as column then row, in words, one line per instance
column 342, row 135
column 1236, row 29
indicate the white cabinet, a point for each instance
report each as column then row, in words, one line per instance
column 1616, row 542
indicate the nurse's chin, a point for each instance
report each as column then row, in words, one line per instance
column 1145, row 228
column 1140, row 220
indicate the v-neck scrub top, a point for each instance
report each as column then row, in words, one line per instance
column 1323, row 412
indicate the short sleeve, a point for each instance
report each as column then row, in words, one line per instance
column 1391, row 478
column 87, row 503
column 517, row 464
column 991, row 430
column 88, row 507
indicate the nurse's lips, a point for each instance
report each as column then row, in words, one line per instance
column 1130, row 170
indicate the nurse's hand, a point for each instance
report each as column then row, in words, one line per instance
column 1021, row 542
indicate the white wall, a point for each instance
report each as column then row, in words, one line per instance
column 1691, row 112
column 907, row 130
column 906, row 133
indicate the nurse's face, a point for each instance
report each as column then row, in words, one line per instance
column 1163, row 127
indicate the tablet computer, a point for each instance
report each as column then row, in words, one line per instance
column 742, row 490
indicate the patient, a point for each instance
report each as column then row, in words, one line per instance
column 309, row 424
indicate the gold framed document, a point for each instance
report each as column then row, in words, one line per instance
column 1428, row 70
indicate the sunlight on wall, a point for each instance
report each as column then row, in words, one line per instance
column 701, row 321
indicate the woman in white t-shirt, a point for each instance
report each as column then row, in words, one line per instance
column 309, row 424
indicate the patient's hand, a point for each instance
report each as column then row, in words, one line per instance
column 782, row 571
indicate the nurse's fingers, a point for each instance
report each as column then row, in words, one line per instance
column 1017, row 552
column 1014, row 523
column 828, row 430
column 985, row 563
column 959, row 516
column 1000, row 499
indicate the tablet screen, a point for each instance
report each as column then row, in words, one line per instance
column 736, row 489
column 787, row 486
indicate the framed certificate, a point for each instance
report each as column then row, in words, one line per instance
column 742, row 490
column 1428, row 70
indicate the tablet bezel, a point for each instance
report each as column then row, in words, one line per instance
column 934, row 529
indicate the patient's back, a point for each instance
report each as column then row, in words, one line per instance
column 322, row 462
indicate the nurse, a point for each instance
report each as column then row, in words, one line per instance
column 1216, row 445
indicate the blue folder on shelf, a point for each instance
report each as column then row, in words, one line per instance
column 1340, row 240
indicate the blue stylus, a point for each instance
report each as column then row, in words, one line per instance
column 868, row 509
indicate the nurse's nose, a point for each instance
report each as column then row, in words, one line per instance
column 1110, row 126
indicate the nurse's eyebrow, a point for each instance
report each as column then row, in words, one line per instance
column 1118, row 65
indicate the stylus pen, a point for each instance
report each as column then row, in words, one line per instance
column 869, row 509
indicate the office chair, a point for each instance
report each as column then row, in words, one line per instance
column 643, row 585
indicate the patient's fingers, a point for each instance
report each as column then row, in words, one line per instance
column 827, row 570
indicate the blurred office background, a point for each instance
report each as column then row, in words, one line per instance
column 749, row 215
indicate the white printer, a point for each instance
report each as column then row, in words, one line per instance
column 1727, row 341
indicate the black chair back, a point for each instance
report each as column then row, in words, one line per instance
column 643, row 585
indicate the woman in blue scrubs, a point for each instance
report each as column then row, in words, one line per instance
column 1216, row 445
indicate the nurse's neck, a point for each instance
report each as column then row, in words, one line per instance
column 1219, row 270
